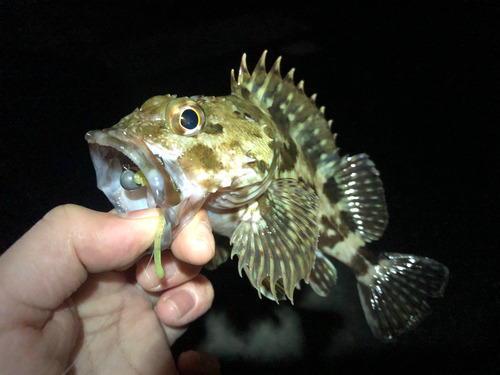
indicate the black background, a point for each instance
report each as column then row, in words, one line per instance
column 412, row 84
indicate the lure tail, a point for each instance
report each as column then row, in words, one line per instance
column 394, row 292
column 160, row 273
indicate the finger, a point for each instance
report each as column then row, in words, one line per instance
column 51, row 260
column 183, row 304
column 195, row 243
column 176, row 272
column 197, row 363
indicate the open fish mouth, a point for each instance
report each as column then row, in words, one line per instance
column 118, row 155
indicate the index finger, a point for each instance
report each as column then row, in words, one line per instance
column 50, row 262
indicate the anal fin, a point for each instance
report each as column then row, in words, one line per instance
column 394, row 293
column 323, row 275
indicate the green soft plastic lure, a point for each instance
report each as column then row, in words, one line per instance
column 141, row 180
column 157, row 248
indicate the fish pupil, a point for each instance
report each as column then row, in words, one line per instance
column 190, row 119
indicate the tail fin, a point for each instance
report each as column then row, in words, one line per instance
column 394, row 293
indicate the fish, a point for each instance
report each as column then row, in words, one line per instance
column 264, row 163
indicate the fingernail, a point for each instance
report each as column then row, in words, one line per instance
column 142, row 214
column 203, row 231
column 180, row 303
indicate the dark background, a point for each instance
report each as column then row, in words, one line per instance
column 412, row 84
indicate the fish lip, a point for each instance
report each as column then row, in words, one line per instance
column 163, row 189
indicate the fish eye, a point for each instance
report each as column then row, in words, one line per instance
column 188, row 119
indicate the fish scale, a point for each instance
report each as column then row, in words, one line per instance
column 264, row 164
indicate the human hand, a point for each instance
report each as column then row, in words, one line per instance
column 65, row 306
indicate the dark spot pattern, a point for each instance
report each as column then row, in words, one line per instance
column 245, row 93
column 288, row 156
column 368, row 255
column 262, row 166
column 213, row 129
column 358, row 265
column 269, row 131
column 348, row 220
column 332, row 190
column 256, row 133
column 279, row 118
column 204, row 156
column 328, row 241
column 234, row 145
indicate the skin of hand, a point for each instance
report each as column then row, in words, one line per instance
column 70, row 302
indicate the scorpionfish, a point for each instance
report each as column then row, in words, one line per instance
column 264, row 164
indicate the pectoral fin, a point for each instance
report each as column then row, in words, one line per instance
column 277, row 237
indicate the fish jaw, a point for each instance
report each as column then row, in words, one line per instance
column 114, row 150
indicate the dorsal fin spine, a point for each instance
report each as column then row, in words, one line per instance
column 243, row 73
column 289, row 76
column 234, row 83
column 258, row 75
column 272, row 78
column 300, row 87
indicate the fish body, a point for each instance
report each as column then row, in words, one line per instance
column 264, row 164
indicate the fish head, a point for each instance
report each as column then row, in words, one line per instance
column 185, row 149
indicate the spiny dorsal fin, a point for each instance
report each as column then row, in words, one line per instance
column 288, row 104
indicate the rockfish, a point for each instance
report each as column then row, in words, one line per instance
column 264, row 164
